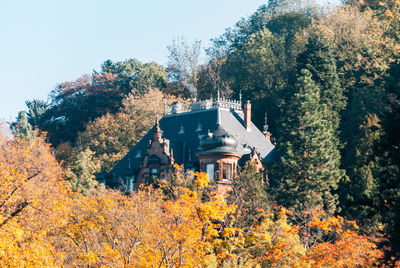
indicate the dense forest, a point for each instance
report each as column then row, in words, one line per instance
column 329, row 81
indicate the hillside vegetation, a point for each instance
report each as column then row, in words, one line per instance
column 329, row 81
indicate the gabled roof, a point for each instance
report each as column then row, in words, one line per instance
column 184, row 131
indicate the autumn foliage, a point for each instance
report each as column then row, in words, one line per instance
column 43, row 223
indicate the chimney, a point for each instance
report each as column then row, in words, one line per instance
column 247, row 115
column 267, row 135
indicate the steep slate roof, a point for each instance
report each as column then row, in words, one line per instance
column 184, row 131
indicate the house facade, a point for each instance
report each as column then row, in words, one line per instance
column 213, row 136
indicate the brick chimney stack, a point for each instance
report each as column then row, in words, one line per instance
column 247, row 115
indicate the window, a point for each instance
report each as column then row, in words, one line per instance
column 153, row 172
column 129, row 182
column 210, row 171
column 227, row 171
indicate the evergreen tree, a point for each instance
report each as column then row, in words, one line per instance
column 388, row 151
column 21, row 127
column 357, row 193
column 318, row 59
column 309, row 172
column 82, row 172
column 36, row 108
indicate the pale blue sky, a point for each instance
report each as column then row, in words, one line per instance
column 46, row 42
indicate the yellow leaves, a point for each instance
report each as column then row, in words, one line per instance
column 216, row 209
column 201, row 179
column 33, row 202
column 274, row 242
column 110, row 229
column 229, row 232
column 388, row 14
column 19, row 248
column 178, row 167
column 88, row 258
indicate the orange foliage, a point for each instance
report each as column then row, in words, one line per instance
column 33, row 202
column 349, row 249
column 43, row 224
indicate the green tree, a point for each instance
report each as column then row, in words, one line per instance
column 82, row 172
column 363, row 53
column 36, row 108
column 135, row 76
column 259, row 72
column 21, row 127
column 318, row 59
column 358, row 192
column 309, row 172
column 282, row 18
column 388, row 199
column 259, row 53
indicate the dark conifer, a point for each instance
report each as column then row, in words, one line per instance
column 318, row 59
column 388, row 151
column 309, row 170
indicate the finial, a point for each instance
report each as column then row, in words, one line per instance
column 265, row 123
column 218, row 118
column 157, row 129
column 218, row 94
column 240, row 96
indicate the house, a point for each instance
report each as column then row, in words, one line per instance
column 214, row 136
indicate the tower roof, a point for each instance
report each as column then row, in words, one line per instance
column 219, row 141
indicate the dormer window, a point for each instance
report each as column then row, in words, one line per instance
column 181, row 130
column 138, row 154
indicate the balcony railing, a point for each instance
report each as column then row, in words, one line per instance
column 178, row 108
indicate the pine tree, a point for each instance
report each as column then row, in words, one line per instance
column 309, row 172
column 21, row 127
column 318, row 59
